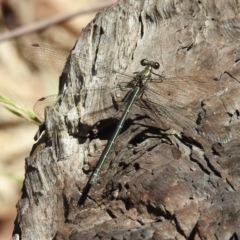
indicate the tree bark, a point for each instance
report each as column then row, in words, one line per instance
column 155, row 184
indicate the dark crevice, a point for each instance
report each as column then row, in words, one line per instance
column 149, row 18
column 76, row 99
column 184, row 47
column 218, row 174
column 95, row 27
column 95, row 33
column 119, row 187
column 123, row 165
column 231, row 76
column 192, row 235
column 145, row 134
column 214, row 152
column 237, row 113
column 128, row 203
column 17, row 230
column 55, row 237
column 127, row 186
column 132, row 58
column 141, row 25
column 94, row 71
column 149, row 149
column 157, row 212
column 24, row 189
column 109, row 124
column 86, row 172
column 115, row 103
column 30, row 169
column 66, row 207
column 217, row 149
column 111, row 214
column 136, row 166
column 178, row 228
column 231, row 185
column 199, row 164
column 142, row 224
column 101, row 30
column 138, row 139
column 237, row 60
column 189, row 142
column 234, row 237
column 190, row 47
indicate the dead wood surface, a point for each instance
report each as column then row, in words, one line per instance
column 154, row 185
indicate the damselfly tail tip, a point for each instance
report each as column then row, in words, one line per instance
column 93, row 179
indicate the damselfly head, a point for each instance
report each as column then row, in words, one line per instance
column 145, row 62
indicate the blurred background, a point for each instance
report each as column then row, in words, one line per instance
column 25, row 83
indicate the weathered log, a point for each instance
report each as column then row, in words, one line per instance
column 155, row 185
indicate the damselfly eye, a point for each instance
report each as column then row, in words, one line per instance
column 144, row 62
column 156, row 65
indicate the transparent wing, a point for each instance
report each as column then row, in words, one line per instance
column 46, row 56
column 179, row 100
column 42, row 103
column 50, row 57
column 212, row 130
column 97, row 102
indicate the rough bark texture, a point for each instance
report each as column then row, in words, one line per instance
column 154, row 185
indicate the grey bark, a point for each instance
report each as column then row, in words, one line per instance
column 155, row 185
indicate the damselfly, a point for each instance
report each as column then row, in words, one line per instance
column 164, row 98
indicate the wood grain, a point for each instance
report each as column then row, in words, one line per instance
column 144, row 191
